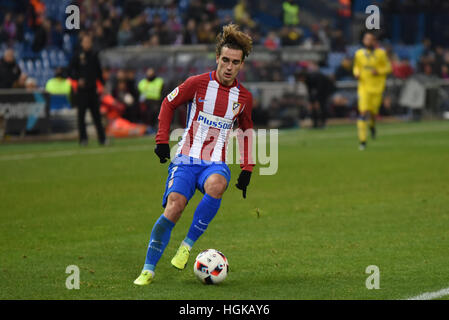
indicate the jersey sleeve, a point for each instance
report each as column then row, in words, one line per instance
column 356, row 69
column 384, row 65
column 179, row 96
column 245, row 136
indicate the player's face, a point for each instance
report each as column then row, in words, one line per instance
column 369, row 40
column 229, row 63
column 86, row 43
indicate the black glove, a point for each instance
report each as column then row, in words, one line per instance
column 162, row 151
column 243, row 181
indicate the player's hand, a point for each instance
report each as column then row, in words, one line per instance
column 162, row 151
column 243, row 181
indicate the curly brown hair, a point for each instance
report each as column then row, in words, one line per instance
column 233, row 38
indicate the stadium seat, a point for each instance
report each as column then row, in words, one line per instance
column 334, row 59
column 350, row 50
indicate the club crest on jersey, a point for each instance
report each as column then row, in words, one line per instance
column 236, row 107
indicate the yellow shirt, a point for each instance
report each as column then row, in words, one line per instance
column 291, row 14
column 58, row 86
column 365, row 61
column 151, row 89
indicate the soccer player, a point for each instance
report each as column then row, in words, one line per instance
column 215, row 100
column 371, row 67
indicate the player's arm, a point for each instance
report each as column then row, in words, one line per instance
column 356, row 68
column 383, row 67
column 179, row 96
column 245, row 138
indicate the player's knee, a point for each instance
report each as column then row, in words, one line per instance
column 175, row 206
column 364, row 115
column 215, row 186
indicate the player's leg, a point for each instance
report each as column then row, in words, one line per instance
column 323, row 111
column 81, row 111
column 94, row 106
column 315, row 113
column 160, row 236
column 363, row 107
column 372, row 125
column 180, row 187
column 376, row 102
column 206, row 210
column 213, row 183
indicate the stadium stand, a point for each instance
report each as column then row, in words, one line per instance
column 35, row 30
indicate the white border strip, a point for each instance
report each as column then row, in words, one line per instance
column 431, row 295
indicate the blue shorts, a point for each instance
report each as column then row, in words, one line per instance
column 186, row 174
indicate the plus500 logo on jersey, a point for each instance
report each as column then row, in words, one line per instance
column 214, row 121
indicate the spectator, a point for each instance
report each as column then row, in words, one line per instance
column 338, row 41
column 124, row 36
column 20, row 27
column 174, row 28
column 195, row 11
column 189, row 33
column 37, row 13
column 444, row 71
column 58, row 85
column 438, row 59
column 41, row 35
column 272, row 41
column 206, row 33
column 402, row 68
column 344, row 70
column 290, row 13
column 140, row 27
column 319, row 89
column 159, row 29
column 123, row 95
column 85, row 68
column 241, row 14
column 319, row 36
column 290, row 36
column 150, row 88
column 344, row 18
column 9, row 27
column 110, row 32
column 339, row 105
column 9, row 70
column 57, row 34
column 30, row 84
column 100, row 39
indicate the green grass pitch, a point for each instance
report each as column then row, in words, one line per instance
column 307, row 232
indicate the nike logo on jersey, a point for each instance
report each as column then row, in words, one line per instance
column 201, row 100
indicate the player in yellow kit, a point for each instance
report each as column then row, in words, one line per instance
column 371, row 67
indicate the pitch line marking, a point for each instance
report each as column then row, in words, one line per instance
column 431, row 295
column 67, row 153
column 285, row 139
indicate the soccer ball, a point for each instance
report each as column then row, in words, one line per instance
column 211, row 266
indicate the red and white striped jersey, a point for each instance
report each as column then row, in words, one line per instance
column 212, row 110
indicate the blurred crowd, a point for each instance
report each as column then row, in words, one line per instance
column 272, row 25
column 171, row 22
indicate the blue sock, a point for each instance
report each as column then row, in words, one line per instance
column 204, row 213
column 160, row 236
